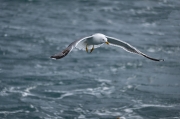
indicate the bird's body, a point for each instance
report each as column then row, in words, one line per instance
column 95, row 41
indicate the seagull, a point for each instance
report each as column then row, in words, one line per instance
column 97, row 40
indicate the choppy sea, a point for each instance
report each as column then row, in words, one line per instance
column 109, row 83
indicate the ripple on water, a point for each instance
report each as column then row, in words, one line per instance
column 17, row 90
column 97, row 92
column 107, row 83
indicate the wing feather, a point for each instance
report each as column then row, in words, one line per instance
column 76, row 44
column 128, row 47
column 81, row 44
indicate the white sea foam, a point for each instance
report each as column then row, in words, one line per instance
column 128, row 110
column 66, row 95
column 81, row 116
column 4, row 92
column 11, row 112
column 107, row 113
column 91, row 91
column 154, row 105
column 104, row 80
column 27, row 92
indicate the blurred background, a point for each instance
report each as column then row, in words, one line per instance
column 106, row 84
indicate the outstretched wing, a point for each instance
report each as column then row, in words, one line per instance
column 128, row 47
column 78, row 44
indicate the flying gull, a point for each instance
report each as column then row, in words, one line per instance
column 95, row 41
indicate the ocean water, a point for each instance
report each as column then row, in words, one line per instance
column 109, row 83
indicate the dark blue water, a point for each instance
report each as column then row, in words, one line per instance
column 106, row 84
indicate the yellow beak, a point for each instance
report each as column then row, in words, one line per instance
column 107, row 42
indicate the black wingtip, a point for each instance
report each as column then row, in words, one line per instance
column 56, row 57
column 159, row 60
column 53, row 57
column 154, row 59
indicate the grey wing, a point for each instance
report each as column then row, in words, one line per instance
column 128, row 47
column 69, row 48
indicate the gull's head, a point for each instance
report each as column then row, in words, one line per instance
column 101, row 38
